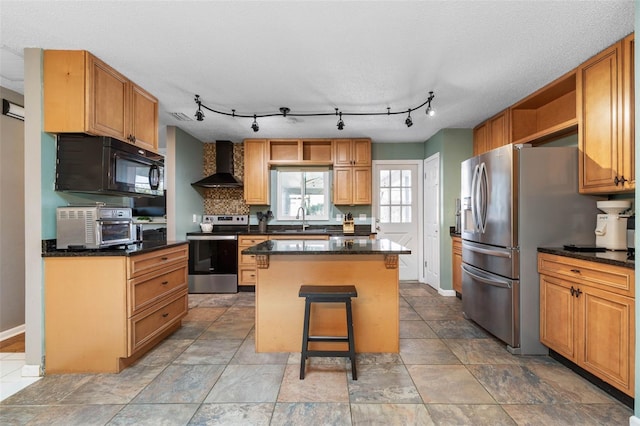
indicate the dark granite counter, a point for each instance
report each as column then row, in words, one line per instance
column 356, row 246
column 618, row 258
column 129, row 250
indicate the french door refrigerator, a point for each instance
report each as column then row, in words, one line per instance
column 515, row 199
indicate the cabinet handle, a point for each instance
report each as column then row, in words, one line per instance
column 166, row 314
column 620, row 180
column 165, row 282
column 572, row 290
column 575, row 271
column 164, row 259
column 578, row 292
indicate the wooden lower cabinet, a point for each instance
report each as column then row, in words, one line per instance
column 456, row 273
column 247, row 262
column 104, row 312
column 587, row 315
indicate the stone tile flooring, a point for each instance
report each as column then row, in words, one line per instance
column 448, row 372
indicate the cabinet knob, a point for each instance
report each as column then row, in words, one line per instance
column 575, row 271
column 165, row 282
column 621, row 180
column 165, row 315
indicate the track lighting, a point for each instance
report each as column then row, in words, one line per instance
column 286, row 112
column 409, row 121
column 199, row 113
column 430, row 111
column 12, row 110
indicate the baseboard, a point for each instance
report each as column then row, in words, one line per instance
column 634, row 421
column 31, row 371
column 8, row 334
column 447, row 293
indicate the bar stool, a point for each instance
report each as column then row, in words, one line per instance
column 328, row 294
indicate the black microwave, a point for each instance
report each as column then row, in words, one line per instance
column 104, row 165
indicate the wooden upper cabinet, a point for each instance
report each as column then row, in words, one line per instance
column 605, row 117
column 82, row 94
column 256, row 172
column 352, row 152
column 491, row 134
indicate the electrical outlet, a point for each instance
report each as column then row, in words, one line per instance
column 195, row 218
column 338, row 217
column 362, row 217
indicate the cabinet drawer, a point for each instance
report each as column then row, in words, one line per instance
column 247, row 259
column 250, row 240
column 153, row 321
column 612, row 278
column 149, row 288
column 145, row 263
column 247, row 275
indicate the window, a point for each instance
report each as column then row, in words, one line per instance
column 307, row 188
column 395, row 196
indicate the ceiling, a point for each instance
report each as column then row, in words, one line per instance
column 478, row 57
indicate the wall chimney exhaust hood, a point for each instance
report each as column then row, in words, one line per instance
column 223, row 177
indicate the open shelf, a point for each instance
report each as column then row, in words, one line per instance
column 547, row 114
column 284, row 150
column 309, row 152
column 317, row 150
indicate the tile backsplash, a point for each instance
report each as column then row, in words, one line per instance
column 224, row 200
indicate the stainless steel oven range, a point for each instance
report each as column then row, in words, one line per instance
column 213, row 256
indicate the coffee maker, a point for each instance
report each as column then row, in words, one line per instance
column 611, row 226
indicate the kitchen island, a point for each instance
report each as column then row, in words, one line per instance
column 284, row 265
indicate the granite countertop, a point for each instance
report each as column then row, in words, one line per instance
column 302, row 246
column 618, row 258
column 129, row 250
column 329, row 230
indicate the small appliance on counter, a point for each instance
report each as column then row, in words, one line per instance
column 348, row 226
column 611, row 226
column 94, row 227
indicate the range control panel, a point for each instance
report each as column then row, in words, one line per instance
column 232, row 219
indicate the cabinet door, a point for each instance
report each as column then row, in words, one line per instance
column 498, row 128
column 480, row 139
column 361, row 185
column 599, row 132
column 558, row 316
column 144, row 119
column 628, row 164
column 342, row 185
column 456, row 273
column 342, row 152
column 107, row 100
column 607, row 324
column 256, row 172
column 361, row 152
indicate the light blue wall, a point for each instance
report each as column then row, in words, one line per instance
column 637, row 199
column 397, row 151
column 189, row 162
column 454, row 146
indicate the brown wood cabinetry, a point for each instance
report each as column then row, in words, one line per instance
column 300, row 151
column 256, row 172
column 352, row 171
column 456, row 273
column 587, row 314
column 605, row 118
column 82, row 94
column 104, row 312
column 492, row 133
column 247, row 262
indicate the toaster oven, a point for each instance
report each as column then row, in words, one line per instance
column 94, row 227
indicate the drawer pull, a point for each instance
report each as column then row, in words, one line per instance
column 575, row 271
column 165, row 282
column 165, row 315
column 164, row 259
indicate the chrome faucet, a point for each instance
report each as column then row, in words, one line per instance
column 304, row 225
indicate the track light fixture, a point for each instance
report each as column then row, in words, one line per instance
column 286, row 112
column 430, row 111
column 199, row 113
column 340, row 122
column 409, row 121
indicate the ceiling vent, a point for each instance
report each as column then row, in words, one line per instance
column 181, row 116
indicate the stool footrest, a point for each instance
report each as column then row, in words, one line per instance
column 328, row 353
column 328, row 339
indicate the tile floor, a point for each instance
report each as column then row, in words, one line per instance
column 448, row 372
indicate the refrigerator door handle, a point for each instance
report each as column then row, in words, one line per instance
column 496, row 253
column 474, row 198
column 493, row 282
column 483, row 190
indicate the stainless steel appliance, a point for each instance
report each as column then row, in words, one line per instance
column 213, row 256
column 103, row 165
column 515, row 199
column 94, row 227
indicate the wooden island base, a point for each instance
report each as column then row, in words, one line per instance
column 280, row 312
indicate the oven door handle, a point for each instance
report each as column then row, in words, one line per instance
column 211, row 237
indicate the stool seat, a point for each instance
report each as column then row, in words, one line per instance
column 328, row 294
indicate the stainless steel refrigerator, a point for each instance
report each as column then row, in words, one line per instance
column 515, row 199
